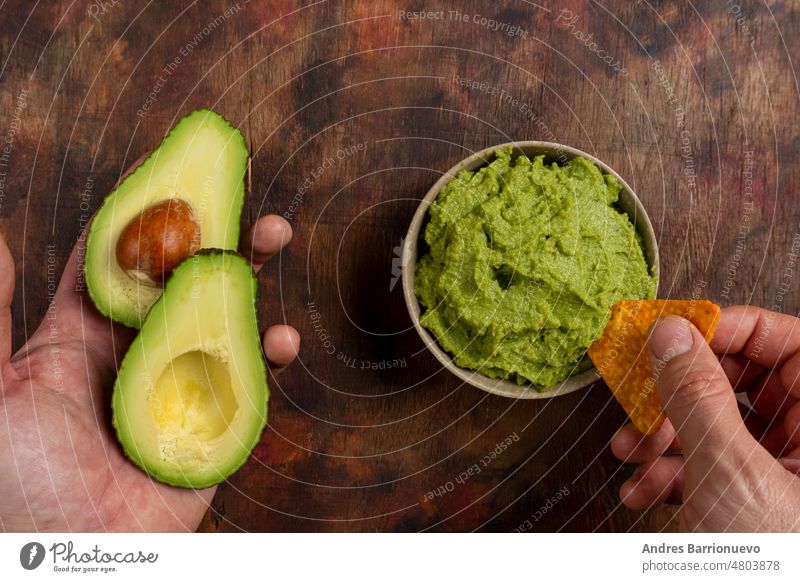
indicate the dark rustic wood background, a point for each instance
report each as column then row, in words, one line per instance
column 700, row 116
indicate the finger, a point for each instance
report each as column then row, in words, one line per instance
column 631, row 446
column 695, row 392
column 791, row 426
column 281, row 346
column 754, row 423
column 766, row 337
column 266, row 237
column 774, row 440
column 790, row 457
column 769, row 392
column 653, row 483
column 791, row 465
column 770, row 399
column 6, row 296
column 742, row 373
column 790, row 375
column 769, row 435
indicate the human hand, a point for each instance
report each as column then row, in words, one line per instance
column 61, row 467
column 729, row 470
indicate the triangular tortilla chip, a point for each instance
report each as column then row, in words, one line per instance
column 620, row 355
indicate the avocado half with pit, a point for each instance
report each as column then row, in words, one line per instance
column 190, row 399
column 187, row 195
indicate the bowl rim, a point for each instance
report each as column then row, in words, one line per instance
column 630, row 204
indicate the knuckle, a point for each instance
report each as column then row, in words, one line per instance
column 686, row 385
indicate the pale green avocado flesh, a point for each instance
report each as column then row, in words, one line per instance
column 525, row 261
column 190, row 399
column 203, row 162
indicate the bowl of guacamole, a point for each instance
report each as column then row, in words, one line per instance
column 513, row 260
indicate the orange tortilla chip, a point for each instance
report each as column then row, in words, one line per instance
column 620, row 355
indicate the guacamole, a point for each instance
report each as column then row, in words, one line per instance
column 524, row 262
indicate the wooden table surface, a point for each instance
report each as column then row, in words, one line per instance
column 353, row 109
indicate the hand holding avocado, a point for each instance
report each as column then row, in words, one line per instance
column 731, row 471
column 61, row 467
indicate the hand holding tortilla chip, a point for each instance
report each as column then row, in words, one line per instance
column 621, row 358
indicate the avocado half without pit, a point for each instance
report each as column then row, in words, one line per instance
column 187, row 195
column 190, row 399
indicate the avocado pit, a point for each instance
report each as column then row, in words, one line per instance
column 153, row 243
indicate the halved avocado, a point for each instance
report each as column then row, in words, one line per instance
column 202, row 163
column 190, row 400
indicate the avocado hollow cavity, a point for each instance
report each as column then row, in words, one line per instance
column 193, row 399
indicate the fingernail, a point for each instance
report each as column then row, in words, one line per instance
column 670, row 337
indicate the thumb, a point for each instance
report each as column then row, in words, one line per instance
column 6, row 295
column 695, row 393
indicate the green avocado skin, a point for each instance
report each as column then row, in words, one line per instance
column 525, row 262
column 175, row 309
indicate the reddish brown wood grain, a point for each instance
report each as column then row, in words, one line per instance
column 380, row 97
